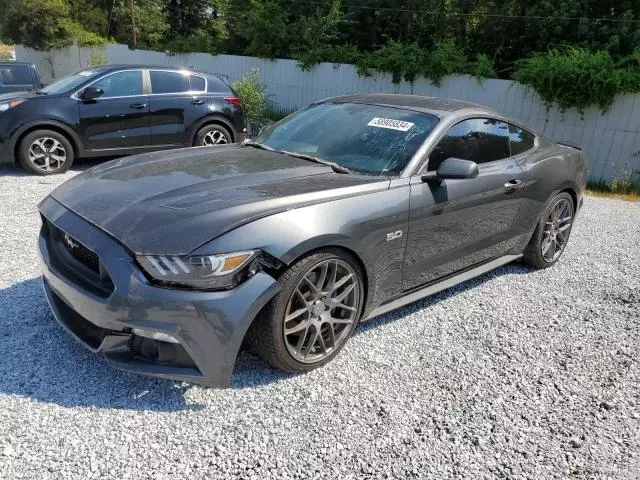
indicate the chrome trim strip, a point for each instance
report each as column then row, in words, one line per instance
column 186, row 72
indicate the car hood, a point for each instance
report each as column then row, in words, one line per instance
column 172, row 202
column 5, row 97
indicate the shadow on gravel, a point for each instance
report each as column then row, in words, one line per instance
column 41, row 361
column 252, row 371
column 510, row 269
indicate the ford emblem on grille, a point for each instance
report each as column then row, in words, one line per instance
column 71, row 243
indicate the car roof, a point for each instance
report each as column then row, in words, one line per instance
column 432, row 105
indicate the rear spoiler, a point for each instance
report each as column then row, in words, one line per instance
column 570, row 145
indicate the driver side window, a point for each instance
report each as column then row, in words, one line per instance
column 480, row 140
column 121, row 84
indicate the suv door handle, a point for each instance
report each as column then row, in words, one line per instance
column 138, row 106
column 512, row 185
column 197, row 101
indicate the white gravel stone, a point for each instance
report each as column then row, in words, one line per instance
column 517, row 374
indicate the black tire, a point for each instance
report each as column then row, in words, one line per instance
column 533, row 254
column 212, row 134
column 267, row 335
column 40, row 152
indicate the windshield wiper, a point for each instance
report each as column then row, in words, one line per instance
column 40, row 92
column 336, row 168
column 251, row 143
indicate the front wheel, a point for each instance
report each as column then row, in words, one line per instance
column 213, row 134
column 552, row 232
column 45, row 152
column 313, row 316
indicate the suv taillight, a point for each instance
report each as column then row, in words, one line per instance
column 233, row 101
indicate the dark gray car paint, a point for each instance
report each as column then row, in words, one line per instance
column 225, row 199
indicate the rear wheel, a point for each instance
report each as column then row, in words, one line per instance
column 313, row 316
column 552, row 232
column 45, row 152
column 213, row 134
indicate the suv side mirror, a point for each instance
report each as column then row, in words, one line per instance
column 454, row 168
column 91, row 93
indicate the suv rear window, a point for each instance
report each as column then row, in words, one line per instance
column 15, row 75
column 217, row 85
column 168, row 82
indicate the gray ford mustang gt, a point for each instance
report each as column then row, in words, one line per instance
column 168, row 262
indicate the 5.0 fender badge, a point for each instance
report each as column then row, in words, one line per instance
column 394, row 235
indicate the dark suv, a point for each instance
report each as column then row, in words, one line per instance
column 18, row 77
column 116, row 110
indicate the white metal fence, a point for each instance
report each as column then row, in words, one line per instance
column 611, row 141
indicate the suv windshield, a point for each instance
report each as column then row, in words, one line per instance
column 71, row 82
column 367, row 139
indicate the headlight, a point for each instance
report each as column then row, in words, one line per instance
column 203, row 272
column 13, row 103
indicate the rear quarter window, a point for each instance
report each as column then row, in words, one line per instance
column 520, row 140
column 197, row 83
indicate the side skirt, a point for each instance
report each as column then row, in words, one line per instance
column 441, row 285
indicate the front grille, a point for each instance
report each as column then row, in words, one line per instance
column 77, row 250
column 75, row 261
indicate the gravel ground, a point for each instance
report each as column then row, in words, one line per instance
column 517, row 374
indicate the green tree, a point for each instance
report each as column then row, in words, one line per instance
column 259, row 28
column 23, row 22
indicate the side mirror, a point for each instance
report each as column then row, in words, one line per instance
column 455, row 168
column 91, row 93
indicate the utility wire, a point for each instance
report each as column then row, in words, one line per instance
column 460, row 14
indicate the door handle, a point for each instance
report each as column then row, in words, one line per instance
column 138, row 106
column 512, row 185
column 197, row 101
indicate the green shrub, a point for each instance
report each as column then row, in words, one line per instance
column 446, row 59
column 623, row 182
column 251, row 90
column 483, row 68
column 330, row 54
column 577, row 78
column 97, row 58
column 411, row 61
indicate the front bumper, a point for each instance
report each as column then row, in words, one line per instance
column 6, row 153
column 209, row 326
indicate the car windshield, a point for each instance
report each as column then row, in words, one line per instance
column 71, row 82
column 366, row 139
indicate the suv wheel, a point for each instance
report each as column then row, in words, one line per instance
column 212, row 135
column 313, row 316
column 45, row 152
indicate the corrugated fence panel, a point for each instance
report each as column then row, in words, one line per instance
column 609, row 140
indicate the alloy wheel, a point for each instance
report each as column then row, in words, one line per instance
column 215, row 137
column 47, row 154
column 321, row 311
column 557, row 229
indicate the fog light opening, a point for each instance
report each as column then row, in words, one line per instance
column 163, row 337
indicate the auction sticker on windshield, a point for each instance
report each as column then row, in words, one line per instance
column 390, row 123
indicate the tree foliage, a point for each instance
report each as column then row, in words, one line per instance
column 593, row 42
